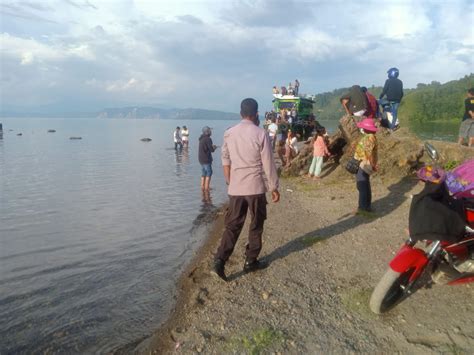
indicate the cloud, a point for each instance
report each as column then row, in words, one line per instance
column 81, row 4
column 211, row 54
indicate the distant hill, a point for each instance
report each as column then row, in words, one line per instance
column 436, row 101
column 428, row 102
column 164, row 114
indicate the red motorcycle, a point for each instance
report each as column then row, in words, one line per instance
column 448, row 259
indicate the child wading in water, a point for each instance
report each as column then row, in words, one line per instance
column 319, row 151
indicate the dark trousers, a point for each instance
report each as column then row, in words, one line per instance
column 365, row 192
column 234, row 222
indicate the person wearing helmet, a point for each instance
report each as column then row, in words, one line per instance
column 393, row 90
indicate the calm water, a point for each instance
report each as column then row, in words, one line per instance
column 94, row 232
column 445, row 131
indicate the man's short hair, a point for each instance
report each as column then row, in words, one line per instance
column 471, row 91
column 248, row 107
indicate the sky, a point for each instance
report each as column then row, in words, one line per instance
column 85, row 55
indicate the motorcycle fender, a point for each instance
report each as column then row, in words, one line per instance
column 408, row 258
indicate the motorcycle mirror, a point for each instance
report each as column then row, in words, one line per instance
column 431, row 151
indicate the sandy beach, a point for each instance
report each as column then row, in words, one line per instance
column 313, row 298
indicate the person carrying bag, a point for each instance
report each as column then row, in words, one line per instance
column 366, row 154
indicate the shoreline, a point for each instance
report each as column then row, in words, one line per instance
column 162, row 337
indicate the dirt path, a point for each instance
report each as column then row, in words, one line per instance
column 313, row 298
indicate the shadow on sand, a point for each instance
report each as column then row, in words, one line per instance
column 383, row 207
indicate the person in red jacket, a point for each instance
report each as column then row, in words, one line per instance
column 372, row 106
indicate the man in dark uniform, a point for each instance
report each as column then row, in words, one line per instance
column 393, row 90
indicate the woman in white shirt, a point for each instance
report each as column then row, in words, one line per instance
column 291, row 148
column 185, row 136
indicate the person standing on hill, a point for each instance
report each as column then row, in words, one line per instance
column 320, row 150
column 466, row 130
column 372, row 106
column 366, row 153
column 354, row 102
column 393, row 90
column 247, row 158
column 206, row 148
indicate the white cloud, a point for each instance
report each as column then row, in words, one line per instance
column 140, row 51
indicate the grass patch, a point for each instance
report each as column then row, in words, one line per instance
column 453, row 349
column 451, row 164
column 357, row 301
column 312, row 239
column 256, row 342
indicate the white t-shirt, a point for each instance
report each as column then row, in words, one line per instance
column 185, row 134
column 292, row 144
column 272, row 129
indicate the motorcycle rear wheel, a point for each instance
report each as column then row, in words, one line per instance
column 390, row 291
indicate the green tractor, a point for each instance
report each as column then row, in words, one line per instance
column 304, row 123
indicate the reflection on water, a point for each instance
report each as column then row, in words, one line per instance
column 93, row 232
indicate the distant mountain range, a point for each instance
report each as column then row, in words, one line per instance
column 134, row 113
column 166, row 114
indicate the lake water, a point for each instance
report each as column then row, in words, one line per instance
column 94, row 232
column 445, row 131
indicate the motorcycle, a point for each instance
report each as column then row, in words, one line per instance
column 446, row 261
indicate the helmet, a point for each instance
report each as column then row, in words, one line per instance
column 393, row 73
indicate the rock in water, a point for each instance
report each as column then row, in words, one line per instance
column 51, row 130
column 146, row 139
column 75, row 138
column 19, row 134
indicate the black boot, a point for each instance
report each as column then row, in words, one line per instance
column 218, row 269
column 254, row 265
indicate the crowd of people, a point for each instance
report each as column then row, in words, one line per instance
column 281, row 131
column 248, row 156
column 361, row 103
column 292, row 89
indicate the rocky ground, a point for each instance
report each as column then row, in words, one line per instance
column 313, row 298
